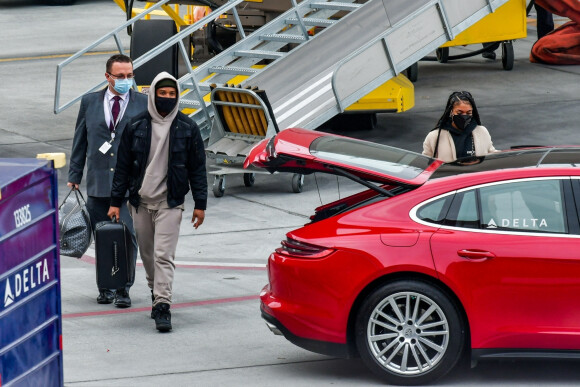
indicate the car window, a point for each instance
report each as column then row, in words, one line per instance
column 464, row 211
column 435, row 211
column 379, row 158
column 536, row 205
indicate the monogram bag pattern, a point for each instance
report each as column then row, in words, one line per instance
column 75, row 226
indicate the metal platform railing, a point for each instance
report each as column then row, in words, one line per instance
column 176, row 39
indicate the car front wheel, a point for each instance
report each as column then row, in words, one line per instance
column 409, row 332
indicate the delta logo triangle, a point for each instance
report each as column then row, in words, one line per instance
column 492, row 224
column 8, row 296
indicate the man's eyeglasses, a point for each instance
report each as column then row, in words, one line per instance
column 128, row 76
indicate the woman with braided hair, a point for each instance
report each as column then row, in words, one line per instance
column 459, row 132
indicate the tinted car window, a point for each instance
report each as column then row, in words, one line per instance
column 435, row 211
column 380, row 158
column 464, row 211
column 562, row 157
column 533, row 206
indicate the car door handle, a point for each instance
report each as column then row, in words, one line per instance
column 475, row 254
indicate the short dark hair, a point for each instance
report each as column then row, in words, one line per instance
column 117, row 58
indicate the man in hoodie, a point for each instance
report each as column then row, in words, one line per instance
column 160, row 157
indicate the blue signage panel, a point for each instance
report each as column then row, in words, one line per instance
column 30, row 310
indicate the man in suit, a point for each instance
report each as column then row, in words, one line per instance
column 102, row 116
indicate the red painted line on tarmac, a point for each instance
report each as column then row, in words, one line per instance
column 173, row 306
column 221, row 267
column 88, row 259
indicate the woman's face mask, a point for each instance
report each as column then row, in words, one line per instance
column 461, row 114
column 461, row 120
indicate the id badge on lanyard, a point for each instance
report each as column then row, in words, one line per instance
column 108, row 144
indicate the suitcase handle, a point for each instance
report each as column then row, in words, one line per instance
column 115, row 268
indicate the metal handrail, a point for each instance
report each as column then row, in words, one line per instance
column 228, row 56
column 231, row 4
column 300, row 21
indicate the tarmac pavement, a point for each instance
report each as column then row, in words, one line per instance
column 218, row 337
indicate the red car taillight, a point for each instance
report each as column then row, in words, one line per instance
column 294, row 248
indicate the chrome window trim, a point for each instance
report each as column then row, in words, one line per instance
column 415, row 218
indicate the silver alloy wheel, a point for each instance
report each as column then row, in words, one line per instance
column 408, row 333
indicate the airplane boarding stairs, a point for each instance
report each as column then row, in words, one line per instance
column 311, row 77
column 321, row 75
column 324, row 74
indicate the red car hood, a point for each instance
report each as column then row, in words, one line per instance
column 307, row 151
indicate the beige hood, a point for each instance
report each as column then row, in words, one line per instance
column 151, row 102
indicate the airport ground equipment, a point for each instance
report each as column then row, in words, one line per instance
column 499, row 29
column 243, row 117
column 309, row 78
column 395, row 95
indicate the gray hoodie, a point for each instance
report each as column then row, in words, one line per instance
column 153, row 191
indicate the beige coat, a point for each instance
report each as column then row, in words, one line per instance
column 446, row 150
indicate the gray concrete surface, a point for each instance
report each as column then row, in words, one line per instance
column 218, row 337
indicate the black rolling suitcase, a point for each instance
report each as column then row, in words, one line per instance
column 114, row 252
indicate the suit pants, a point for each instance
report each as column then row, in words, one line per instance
column 545, row 21
column 157, row 234
column 98, row 208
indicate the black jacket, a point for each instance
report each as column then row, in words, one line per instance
column 186, row 162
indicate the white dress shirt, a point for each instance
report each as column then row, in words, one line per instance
column 108, row 104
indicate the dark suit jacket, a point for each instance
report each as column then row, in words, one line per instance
column 90, row 133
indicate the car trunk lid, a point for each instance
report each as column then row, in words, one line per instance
column 306, row 151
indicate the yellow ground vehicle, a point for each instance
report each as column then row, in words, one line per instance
column 499, row 28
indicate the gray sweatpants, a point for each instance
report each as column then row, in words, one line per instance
column 157, row 233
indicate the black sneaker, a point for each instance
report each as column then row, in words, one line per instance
column 162, row 317
column 122, row 299
column 105, row 296
column 153, row 310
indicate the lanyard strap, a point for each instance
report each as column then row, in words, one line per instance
column 121, row 113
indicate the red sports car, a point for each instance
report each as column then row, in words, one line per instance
column 433, row 261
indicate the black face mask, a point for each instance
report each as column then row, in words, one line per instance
column 461, row 120
column 165, row 105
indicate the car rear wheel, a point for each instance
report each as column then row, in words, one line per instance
column 409, row 332
column 297, row 183
column 249, row 179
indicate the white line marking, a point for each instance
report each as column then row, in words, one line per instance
column 300, row 94
column 304, row 102
column 218, row 264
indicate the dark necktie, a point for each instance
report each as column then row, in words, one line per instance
column 115, row 112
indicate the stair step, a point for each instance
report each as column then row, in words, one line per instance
column 233, row 70
column 189, row 102
column 312, row 22
column 259, row 54
column 283, row 38
column 336, row 6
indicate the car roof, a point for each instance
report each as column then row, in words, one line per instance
column 556, row 156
